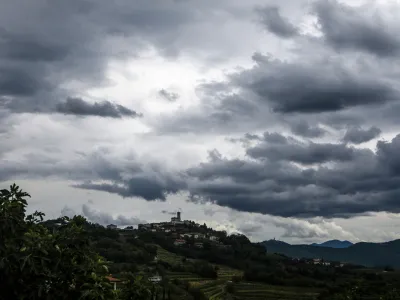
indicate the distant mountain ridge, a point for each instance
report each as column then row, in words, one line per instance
column 367, row 254
column 334, row 244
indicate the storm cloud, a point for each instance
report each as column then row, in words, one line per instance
column 303, row 153
column 307, row 87
column 287, row 100
column 302, row 128
column 346, row 27
column 360, row 181
column 274, row 22
column 357, row 135
column 79, row 107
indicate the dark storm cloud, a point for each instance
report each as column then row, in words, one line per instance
column 273, row 21
column 21, row 47
column 276, row 147
column 79, row 107
column 170, row 96
column 364, row 182
column 133, row 179
column 303, row 128
column 346, row 27
column 357, row 135
column 143, row 186
column 128, row 176
column 14, row 82
column 46, row 46
column 311, row 87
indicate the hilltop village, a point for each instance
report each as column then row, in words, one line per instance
column 184, row 232
column 190, row 234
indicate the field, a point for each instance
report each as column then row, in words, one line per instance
column 245, row 290
column 168, row 257
column 215, row 289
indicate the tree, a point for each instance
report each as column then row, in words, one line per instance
column 36, row 263
column 137, row 288
column 40, row 262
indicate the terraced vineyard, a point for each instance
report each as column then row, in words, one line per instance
column 260, row 291
column 227, row 273
column 168, row 257
column 184, row 276
column 214, row 290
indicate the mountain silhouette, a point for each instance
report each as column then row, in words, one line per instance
column 334, row 244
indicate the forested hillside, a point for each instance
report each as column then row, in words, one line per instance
column 367, row 254
column 75, row 259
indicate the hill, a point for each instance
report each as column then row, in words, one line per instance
column 191, row 261
column 366, row 254
column 334, row 244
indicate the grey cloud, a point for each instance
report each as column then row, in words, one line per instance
column 300, row 229
column 170, row 96
column 303, row 128
column 147, row 187
column 171, row 213
column 250, row 228
column 346, row 27
column 21, row 47
column 368, row 182
column 15, row 82
column 296, row 151
column 357, row 135
column 99, row 170
column 273, row 21
column 104, row 218
column 45, row 47
column 79, row 107
column 68, row 212
column 311, row 87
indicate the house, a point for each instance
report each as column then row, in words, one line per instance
column 214, row 238
column 199, row 245
column 316, row 261
column 112, row 226
column 144, row 226
column 198, row 236
column 155, row 278
column 326, row 263
column 179, row 242
column 113, row 281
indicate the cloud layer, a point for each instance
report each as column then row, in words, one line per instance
column 287, row 111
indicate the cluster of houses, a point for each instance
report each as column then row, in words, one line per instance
column 180, row 230
column 319, row 261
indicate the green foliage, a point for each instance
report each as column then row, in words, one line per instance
column 56, row 260
column 137, row 288
column 39, row 264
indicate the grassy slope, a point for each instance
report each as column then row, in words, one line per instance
column 215, row 289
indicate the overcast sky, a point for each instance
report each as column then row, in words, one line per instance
column 265, row 117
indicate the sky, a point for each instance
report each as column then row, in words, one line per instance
column 275, row 119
